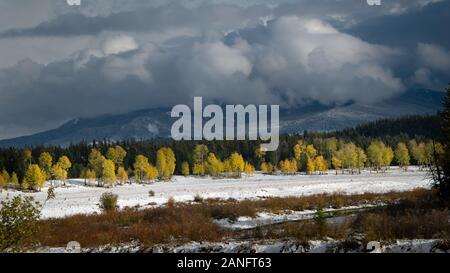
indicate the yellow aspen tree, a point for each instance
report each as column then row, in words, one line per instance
column 362, row 159
column 14, row 181
column 141, row 166
column 108, row 172
column 237, row 164
column 3, row 183
column 96, row 161
column 249, row 169
column 117, row 154
column 337, row 163
column 200, row 153
column 122, row 175
column 214, row 166
column 321, row 164
column 298, row 153
column 375, row 154
column 293, row 166
column 58, row 173
column 388, row 156
column 46, row 163
column 65, row 163
column 282, row 166
column 198, row 169
column 264, row 168
column 310, row 166
column 151, row 173
column 402, row 155
column 185, row 170
column 6, row 177
column 165, row 162
column 27, row 156
column 34, row 177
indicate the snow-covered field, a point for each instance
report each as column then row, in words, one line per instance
column 77, row 198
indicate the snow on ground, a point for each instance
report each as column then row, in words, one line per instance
column 267, row 218
column 269, row 246
column 77, row 198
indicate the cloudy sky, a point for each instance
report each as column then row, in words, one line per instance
column 59, row 62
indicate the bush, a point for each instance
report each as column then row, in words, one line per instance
column 18, row 223
column 198, row 198
column 108, row 202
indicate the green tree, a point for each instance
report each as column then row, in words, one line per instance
column 18, row 223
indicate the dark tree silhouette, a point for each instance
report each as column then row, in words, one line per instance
column 441, row 170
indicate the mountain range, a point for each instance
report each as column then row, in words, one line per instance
column 156, row 123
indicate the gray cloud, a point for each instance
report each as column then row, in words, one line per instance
column 94, row 61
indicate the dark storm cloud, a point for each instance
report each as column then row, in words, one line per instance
column 145, row 56
column 144, row 20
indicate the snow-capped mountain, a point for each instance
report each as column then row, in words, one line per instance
column 156, row 123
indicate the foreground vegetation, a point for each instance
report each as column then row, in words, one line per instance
column 415, row 214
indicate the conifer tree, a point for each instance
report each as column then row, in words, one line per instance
column 441, row 167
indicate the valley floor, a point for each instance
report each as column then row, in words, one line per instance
column 76, row 198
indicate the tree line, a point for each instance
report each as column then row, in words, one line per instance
column 113, row 166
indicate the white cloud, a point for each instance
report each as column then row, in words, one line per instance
column 119, row 44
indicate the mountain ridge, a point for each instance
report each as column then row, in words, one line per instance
column 155, row 123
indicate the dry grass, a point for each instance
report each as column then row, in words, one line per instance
column 410, row 215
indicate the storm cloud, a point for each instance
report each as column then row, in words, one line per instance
column 97, row 59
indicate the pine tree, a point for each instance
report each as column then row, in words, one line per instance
column 441, row 169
